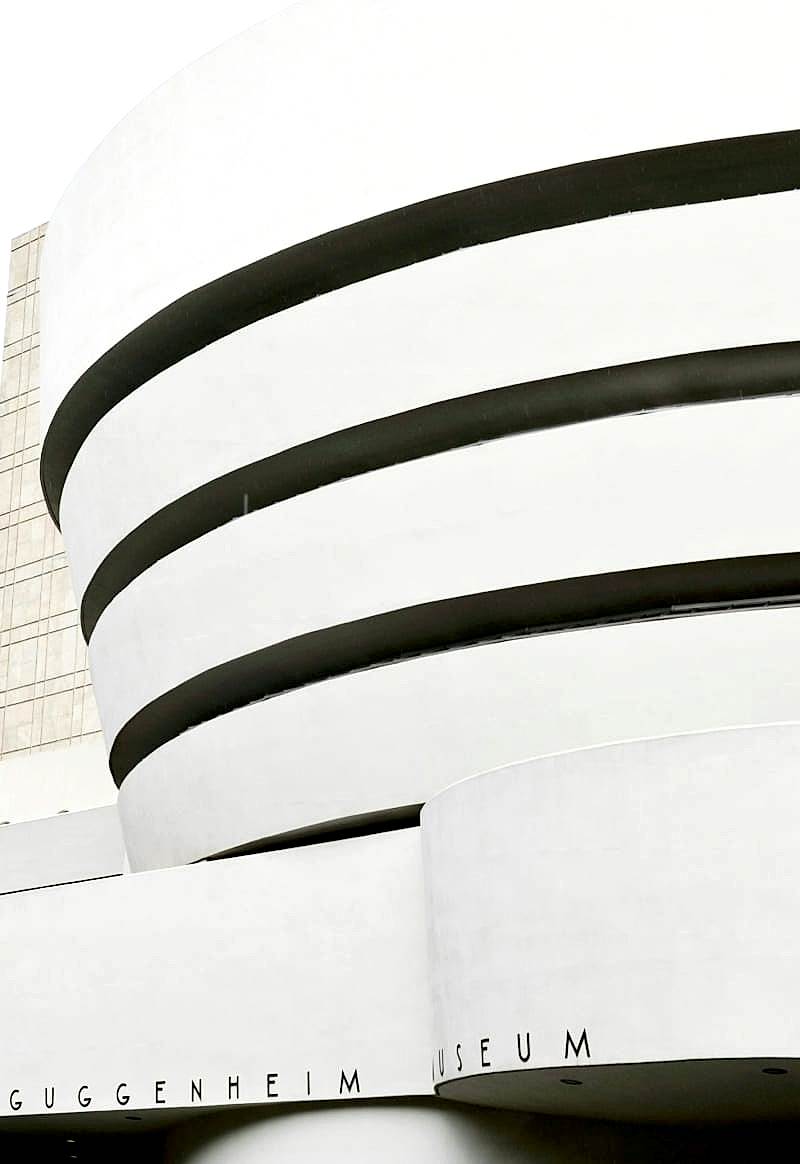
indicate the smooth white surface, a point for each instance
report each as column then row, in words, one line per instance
column 313, row 959
column 646, row 893
column 398, row 734
column 329, row 113
column 74, row 846
column 674, row 486
column 42, row 783
column 624, row 289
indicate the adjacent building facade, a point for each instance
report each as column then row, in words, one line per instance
column 421, row 419
column 47, row 696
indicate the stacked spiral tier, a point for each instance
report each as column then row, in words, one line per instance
column 421, row 383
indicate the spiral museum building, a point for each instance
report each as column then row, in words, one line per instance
column 418, row 405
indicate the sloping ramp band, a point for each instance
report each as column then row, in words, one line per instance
column 468, row 620
column 696, row 378
column 675, row 176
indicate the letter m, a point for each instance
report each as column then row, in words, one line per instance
column 350, row 1083
column 583, row 1044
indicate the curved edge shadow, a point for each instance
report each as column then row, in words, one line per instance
column 654, row 592
column 650, row 179
column 700, row 377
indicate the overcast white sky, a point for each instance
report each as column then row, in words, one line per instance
column 70, row 69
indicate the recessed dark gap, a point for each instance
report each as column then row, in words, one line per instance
column 654, row 592
column 363, row 824
column 679, row 175
column 699, row 377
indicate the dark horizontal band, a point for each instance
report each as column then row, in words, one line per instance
column 363, row 824
column 676, row 176
column 701, row 377
column 594, row 600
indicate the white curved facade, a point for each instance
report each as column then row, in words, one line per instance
column 480, row 708
column 508, row 513
column 424, row 436
column 630, row 932
column 538, row 305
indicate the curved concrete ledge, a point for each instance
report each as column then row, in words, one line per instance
column 630, row 905
column 677, row 487
column 299, row 312
column 600, row 295
column 467, row 621
column 43, row 783
column 57, row 850
column 181, row 989
column 334, row 750
column 599, row 923
column 702, row 377
column 117, row 259
column 701, row 172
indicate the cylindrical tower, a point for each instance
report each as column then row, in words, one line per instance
column 420, row 399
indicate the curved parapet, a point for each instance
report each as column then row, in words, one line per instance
column 345, row 390
column 613, row 930
column 607, row 933
column 393, row 736
column 585, row 525
column 282, row 978
column 217, row 172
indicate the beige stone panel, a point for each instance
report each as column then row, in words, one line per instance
column 15, row 322
column 9, row 385
column 36, row 727
column 8, row 432
column 33, row 372
column 5, row 491
column 25, row 372
column 61, row 653
column 26, row 601
column 61, row 597
column 20, row 694
column 30, row 541
column 16, row 490
column 17, row 727
column 91, row 719
column 34, row 254
column 30, row 490
column 41, row 661
column 29, row 318
column 18, row 268
column 22, row 663
column 61, row 621
column 31, row 426
column 56, row 717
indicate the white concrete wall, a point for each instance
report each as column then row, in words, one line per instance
column 73, row 777
column 74, row 846
column 396, row 735
column 640, row 286
column 677, row 486
column 178, row 195
column 312, row 960
column 233, row 159
column 644, row 894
